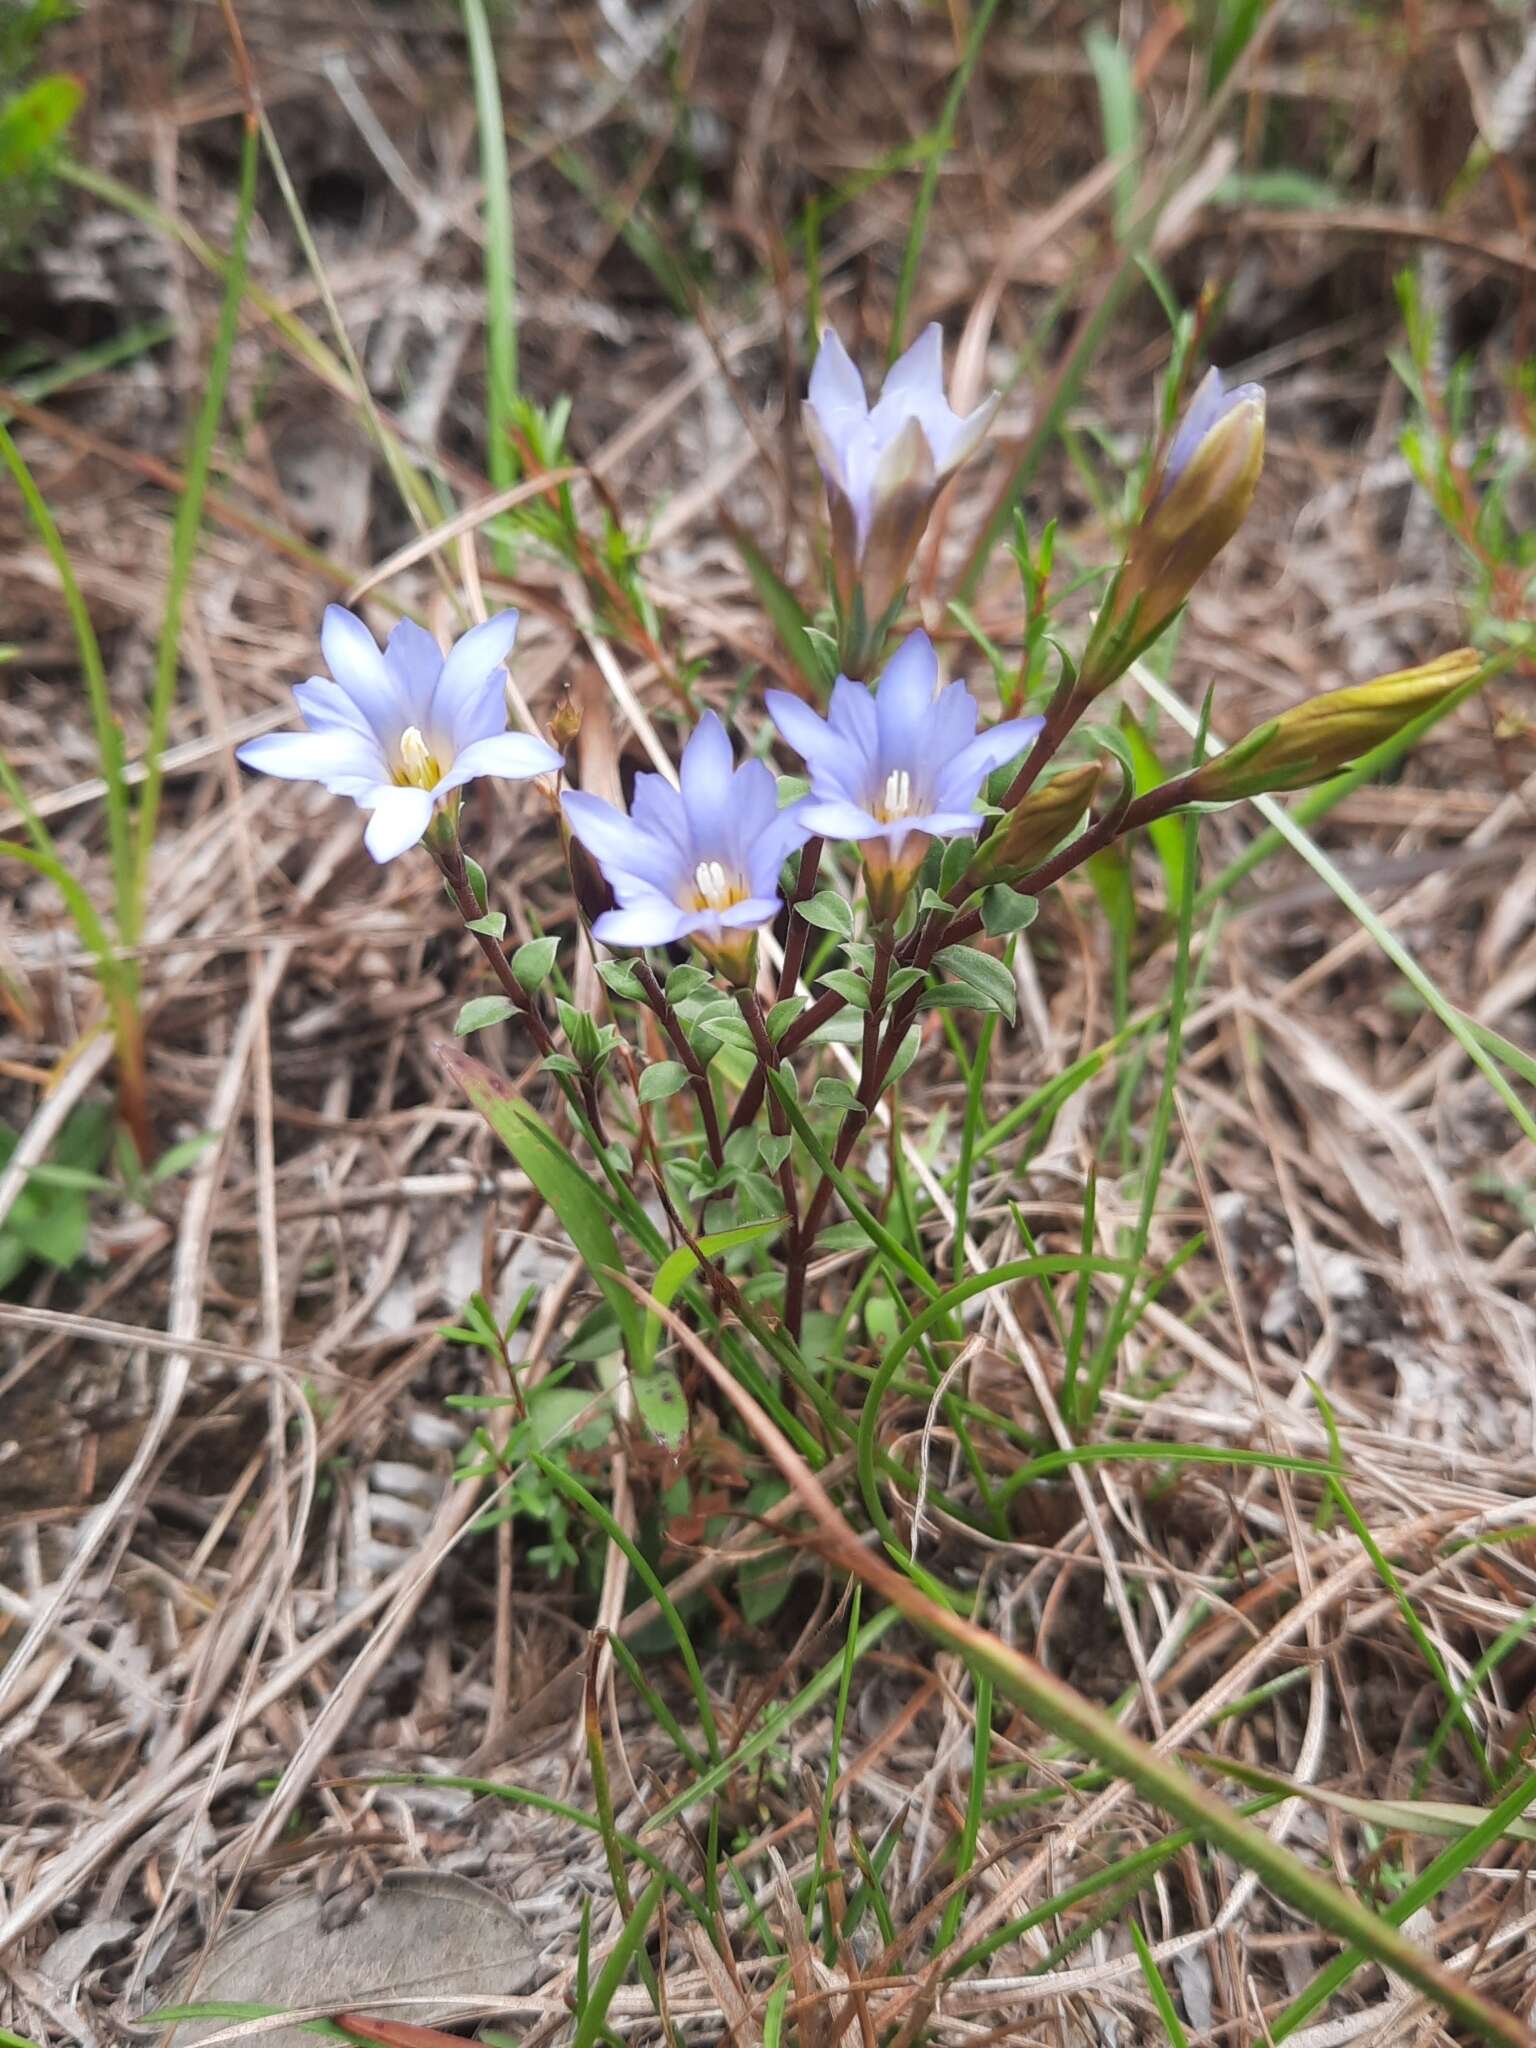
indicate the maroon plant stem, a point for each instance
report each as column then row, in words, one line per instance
column 671, row 1023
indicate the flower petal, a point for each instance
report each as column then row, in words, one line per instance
column 706, row 775
column 314, row 756
column 400, row 816
column 946, row 824
column 904, row 704
column 414, row 661
column 835, row 818
column 751, row 912
column 514, row 756
column 622, row 847
column 353, row 658
column 959, row 780
column 325, row 707
column 651, row 920
column 919, row 370
column 463, row 700
column 851, row 714
column 835, row 385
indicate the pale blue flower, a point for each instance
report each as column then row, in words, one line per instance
column 399, row 731
column 911, row 434
column 898, row 765
column 1210, row 405
column 698, row 862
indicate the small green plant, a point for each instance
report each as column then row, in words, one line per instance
column 36, row 113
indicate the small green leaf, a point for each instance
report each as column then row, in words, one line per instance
column 685, row 981
column 581, row 1032
column 534, row 963
column 493, row 924
column 1004, row 910
column 782, row 1015
column 621, row 979
column 662, row 1080
column 660, row 1404
column 832, row 1092
column 480, row 1012
column 179, row 1157
column 989, row 978
column 829, row 912
column 774, row 1149
column 476, row 875
column 853, row 988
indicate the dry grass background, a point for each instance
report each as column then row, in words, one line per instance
column 285, row 1592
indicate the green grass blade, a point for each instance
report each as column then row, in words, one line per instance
column 500, row 255
column 109, row 734
column 184, row 539
column 590, row 2017
column 917, row 234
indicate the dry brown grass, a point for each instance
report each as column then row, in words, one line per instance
column 284, row 1586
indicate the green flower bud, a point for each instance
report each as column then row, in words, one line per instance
column 1317, row 739
column 1035, row 827
column 1201, row 499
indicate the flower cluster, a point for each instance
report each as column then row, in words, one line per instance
column 404, row 730
column 891, row 768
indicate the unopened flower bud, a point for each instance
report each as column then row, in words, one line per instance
column 883, row 465
column 1035, row 827
column 1201, row 499
column 1317, row 739
column 566, row 723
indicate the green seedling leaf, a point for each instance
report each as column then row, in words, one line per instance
column 666, row 1078
column 829, row 912
column 179, row 1157
column 568, row 1416
column 660, row 1405
column 620, row 979
column 679, row 1267
column 1004, row 910
column 32, row 121
column 985, row 977
column 534, row 963
column 493, row 924
column 480, row 1012
column 853, row 988
column 571, row 1193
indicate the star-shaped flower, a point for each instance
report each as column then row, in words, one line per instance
column 898, row 765
column 698, row 862
column 400, row 731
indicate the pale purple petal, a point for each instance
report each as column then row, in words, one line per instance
column 326, row 707
column 836, row 818
column 399, row 819
column 353, row 658
column 954, row 722
column 514, row 756
column 751, row 912
column 771, row 846
column 414, row 661
column 314, row 756
column 835, row 386
column 945, row 824
column 1207, row 409
column 657, row 806
column 904, row 703
column 959, row 780
column 830, row 758
column 651, row 920
column 709, row 796
column 623, row 847
column 470, row 703
column 919, row 371
column 851, row 714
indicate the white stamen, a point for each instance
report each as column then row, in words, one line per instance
column 896, row 799
column 417, row 765
column 713, row 885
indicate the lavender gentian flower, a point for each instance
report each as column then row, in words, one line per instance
column 884, row 465
column 1198, row 502
column 897, row 766
column 698, row 862
column 403, row 730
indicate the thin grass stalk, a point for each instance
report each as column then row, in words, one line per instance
column 189, row 520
